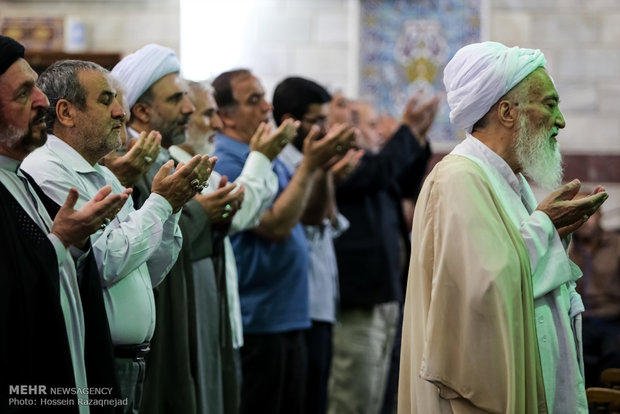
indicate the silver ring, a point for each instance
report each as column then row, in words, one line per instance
column 205, row 184
column 195, row 182
column 227, row 208
column 225, row 215
column 103, row 225
column 199, row 188
column 148, row 159
column 338, row 147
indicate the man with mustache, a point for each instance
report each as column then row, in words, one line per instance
column 272, row 258
column 492, row 318
column 158, row 99
column 218, row 377
column 138, row 247
column 44, row 337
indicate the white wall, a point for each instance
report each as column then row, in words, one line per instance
column 317, row 39
column 113, row 25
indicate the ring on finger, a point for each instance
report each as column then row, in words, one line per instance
column 195, row 182
column 338, row 147
column 103, row 225
column 227, row 208
column 148, row 159
column 225, row 215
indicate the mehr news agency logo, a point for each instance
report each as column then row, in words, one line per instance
column 42, row 396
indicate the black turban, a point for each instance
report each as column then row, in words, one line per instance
column 10, row 51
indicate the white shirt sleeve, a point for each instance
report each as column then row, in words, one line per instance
column 135, row 238
column 261, row 186
column 548, row 258
column 165, row 256
column 59, row 247
column 131, row 239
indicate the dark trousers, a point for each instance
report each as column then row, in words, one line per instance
column 274, row 373
column 391, row 386
column 130, row 375
column 601, row 347
column 320, row 349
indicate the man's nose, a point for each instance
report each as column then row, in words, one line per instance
column 187, row 107
column 266, row 106
column 216, row 122
column 39, row 99
column 559, row 121
column 117, row 110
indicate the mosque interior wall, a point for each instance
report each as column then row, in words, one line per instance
column 319, row 39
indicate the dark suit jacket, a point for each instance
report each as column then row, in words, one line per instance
column 43, row 318
column 369, row 252
column 35, row 349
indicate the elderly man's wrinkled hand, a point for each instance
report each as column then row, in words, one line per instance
column 568, row 214
column 137, row 161
column 222, row 204
column 187, row 180
column 73, row 227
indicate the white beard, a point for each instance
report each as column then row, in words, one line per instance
column 539, row 155
column 201, row 143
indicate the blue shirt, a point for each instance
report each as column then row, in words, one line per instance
column 323, row 269
column 273, row 276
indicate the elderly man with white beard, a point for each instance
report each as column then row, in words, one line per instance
column 492, row 319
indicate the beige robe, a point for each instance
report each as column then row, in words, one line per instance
column 469, row 340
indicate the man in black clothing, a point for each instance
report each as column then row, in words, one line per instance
column 43, row 341
column 372, row 257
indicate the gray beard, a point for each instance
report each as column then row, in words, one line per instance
column 202, row 145
column 539, row 155
column 11, row 135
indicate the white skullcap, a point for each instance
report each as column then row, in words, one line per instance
column 480, row 74
column 143, row 68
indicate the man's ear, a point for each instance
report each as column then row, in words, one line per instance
column 507, row 113
column 226, row 118
column 286, row 116
column 142, row 112
column 65, row 113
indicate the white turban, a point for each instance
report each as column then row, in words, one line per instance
column 143, row 68
column 480, row 74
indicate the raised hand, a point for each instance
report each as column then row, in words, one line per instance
column 271, row 144
column 73, row 227
column 344, row 167
column 137, row 161
column 188, row 179
column 336, row 142
column 222, row 204
column 419, row 117
column 567, row 214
